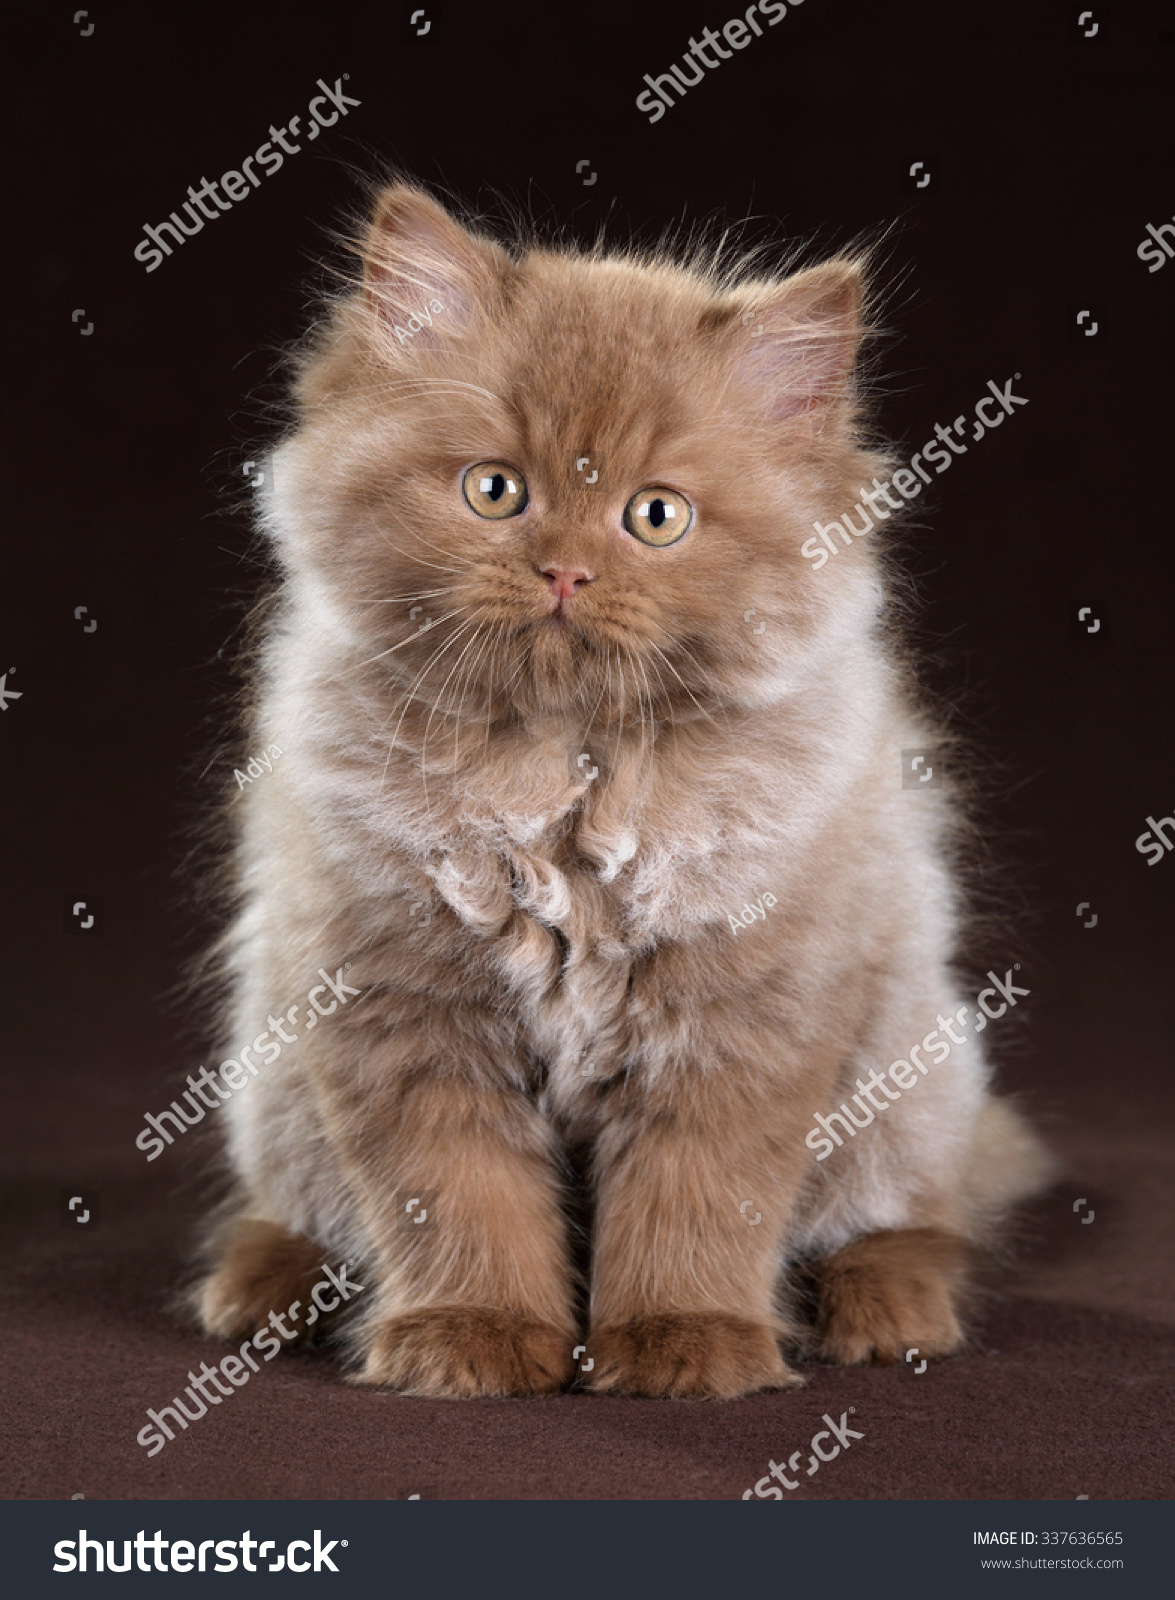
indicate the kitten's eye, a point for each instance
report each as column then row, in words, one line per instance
column 658, row 516
column 493, row 489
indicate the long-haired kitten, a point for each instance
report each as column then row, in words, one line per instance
column 558, row 697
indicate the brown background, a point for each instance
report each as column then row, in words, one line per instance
column 1048, row 154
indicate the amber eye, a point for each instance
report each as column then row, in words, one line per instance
column 658, row 516
column 493, row 489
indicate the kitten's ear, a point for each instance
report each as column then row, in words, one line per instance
column 797, row 340
column 415, row 257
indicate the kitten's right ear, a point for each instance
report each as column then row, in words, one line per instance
column 415, row 257
column 798, row 356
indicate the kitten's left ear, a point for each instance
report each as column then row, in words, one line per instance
column 415, row 257
column 797, row 341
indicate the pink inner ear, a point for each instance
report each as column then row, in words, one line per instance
column 406, row 287
column 415, row 259
column 803, row 370
column 802, row 342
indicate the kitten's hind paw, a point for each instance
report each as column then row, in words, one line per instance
column 687, row 1355
column 889, row 1292
column 456, row 1352
column 263, row 1268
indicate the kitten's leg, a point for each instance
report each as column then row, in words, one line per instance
column 895, row 1290
column 476, row 1299
column 684, row 1272
column 890, row 1292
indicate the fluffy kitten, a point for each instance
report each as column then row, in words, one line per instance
column 548, row 721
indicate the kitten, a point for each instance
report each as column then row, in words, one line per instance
column 558, row 695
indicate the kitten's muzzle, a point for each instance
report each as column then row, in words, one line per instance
column 563, row 582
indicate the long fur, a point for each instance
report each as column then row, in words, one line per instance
column 550, row 981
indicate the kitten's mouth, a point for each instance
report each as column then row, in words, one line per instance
column 557, row 622
column 556, row 644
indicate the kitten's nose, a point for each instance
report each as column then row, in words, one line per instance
column 564, row 581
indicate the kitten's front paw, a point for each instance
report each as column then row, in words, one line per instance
column 455, row 1352
column 687, row 1355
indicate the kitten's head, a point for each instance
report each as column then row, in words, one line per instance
column 554, row 482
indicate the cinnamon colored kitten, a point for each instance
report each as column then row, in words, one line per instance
column 558, row 695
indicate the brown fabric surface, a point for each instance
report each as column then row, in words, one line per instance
column 1050, row 158
column 1067, row 1391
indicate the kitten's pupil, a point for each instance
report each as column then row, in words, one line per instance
column 657, row 511
column 495, row 487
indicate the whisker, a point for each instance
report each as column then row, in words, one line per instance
column 702, row 709
column 391, row 650
column 436, row 706
column 412, row 556
column 436, row 655
column 402, row 599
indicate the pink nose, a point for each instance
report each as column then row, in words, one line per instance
column 564, row 581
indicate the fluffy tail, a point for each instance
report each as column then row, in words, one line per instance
column 1006, row 1164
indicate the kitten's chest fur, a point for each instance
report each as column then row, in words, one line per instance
column 535, row 868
